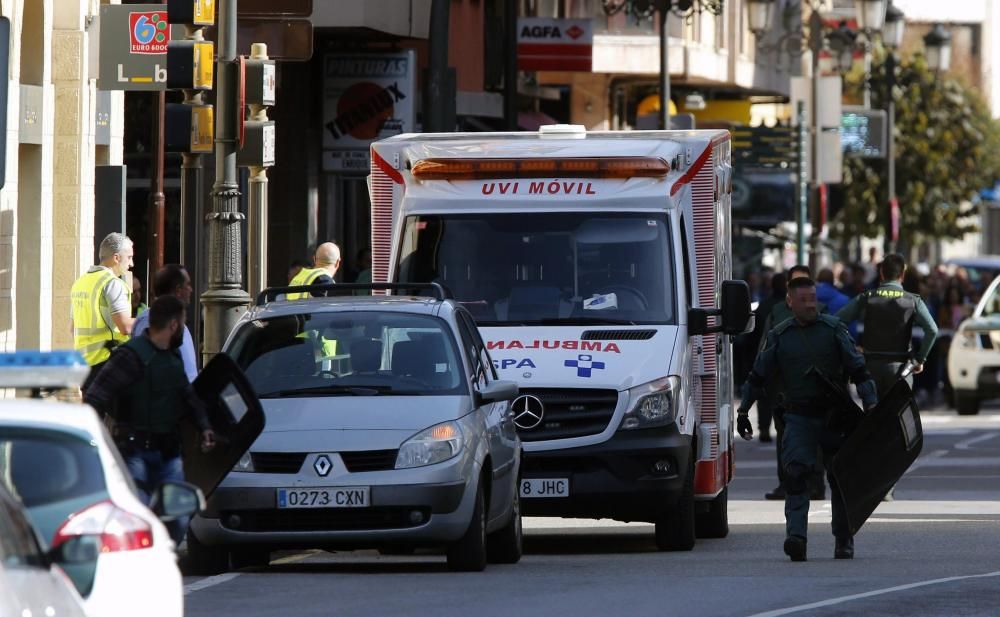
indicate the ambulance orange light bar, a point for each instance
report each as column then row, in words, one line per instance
column 590, row 167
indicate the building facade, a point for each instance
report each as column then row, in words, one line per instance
column 58, row 131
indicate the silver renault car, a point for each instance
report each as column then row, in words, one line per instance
column 385, row 427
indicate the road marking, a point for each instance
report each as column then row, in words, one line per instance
column 211, row 581
column 967, row 444
column 923, row 460
column 294, row 558
column 869, row 594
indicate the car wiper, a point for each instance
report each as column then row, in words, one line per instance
column 327, row 391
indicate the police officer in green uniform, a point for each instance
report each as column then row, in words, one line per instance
column 798, row 350
column 889, row 314
column 143, row 386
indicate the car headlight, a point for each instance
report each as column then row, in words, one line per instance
column 438, row 443
column 245, row 463
column 652, row 404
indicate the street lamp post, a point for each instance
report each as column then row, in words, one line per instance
column 892, row 38
column 870, row 15
column 937, row 47
column 645, row 9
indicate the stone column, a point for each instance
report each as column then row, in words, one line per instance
column 73, row 190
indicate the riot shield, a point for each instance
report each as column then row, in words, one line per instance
column 236, row 417
column 877, row 453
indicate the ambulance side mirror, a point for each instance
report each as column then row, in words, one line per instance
column 735, row 314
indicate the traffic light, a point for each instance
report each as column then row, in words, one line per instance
column 190, row 126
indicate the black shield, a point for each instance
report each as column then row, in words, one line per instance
column 877, row 453
column 235, row 415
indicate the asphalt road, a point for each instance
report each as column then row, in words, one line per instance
column 933, row 551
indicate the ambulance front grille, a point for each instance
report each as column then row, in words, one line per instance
column 570, row 412
column 618, row 335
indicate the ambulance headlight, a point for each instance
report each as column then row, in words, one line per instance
column 652, row 404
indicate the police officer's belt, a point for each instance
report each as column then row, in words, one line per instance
column 129, row 440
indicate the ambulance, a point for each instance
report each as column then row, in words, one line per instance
column 595, row 265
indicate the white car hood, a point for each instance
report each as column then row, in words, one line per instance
column 546, row 356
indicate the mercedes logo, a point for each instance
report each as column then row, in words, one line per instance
column 528, row 412
column 322, row 465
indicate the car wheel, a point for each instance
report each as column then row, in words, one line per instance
column 469, row 553
column 675, row 530
column 715, row 522
column 966, row 403
column 204, row 560
column 507, row 544
column 249, row 558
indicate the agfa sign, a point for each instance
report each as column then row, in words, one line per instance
column 545, row 44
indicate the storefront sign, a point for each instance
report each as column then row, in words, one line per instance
column 133, row 54
column 546, row 44
column 366, row 97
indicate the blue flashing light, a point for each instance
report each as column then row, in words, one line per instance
column 41, row 359
column 42, row 369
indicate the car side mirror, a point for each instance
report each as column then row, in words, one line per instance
column 735, row 309
column 173, row 500
column 735, row 316
column 497, row 391
column 77, row 550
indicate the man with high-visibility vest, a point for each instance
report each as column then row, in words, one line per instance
column 101, row 300
column 327, row 260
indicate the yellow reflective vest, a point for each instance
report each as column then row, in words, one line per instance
column 92, row 336
column 307, row 276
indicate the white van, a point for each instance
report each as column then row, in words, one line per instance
column 593, row 263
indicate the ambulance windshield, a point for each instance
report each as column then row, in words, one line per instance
column 565, row 268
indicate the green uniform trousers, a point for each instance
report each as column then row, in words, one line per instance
column 803, row 438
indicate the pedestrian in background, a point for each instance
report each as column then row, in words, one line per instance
column 101, row 304
column 144, row 388
column 138, row 306
column 173, row 280
column 795, row 354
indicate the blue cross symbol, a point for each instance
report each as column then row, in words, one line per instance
column 584, row 364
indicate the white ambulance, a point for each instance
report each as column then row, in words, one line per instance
column 593, row 263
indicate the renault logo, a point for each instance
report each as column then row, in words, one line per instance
column 322, row 465
column 528, row 412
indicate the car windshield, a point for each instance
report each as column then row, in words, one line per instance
column 564, row 268
column 353, row 353
column 54, row 474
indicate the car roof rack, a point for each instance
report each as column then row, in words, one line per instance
column 42, row 369
column 271, row 293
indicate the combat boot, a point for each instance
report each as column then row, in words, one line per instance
column 795, row 547
column 844, row 548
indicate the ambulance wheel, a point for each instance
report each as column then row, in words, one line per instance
column 675, row 530
column 715, row 522
column 966, row 403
